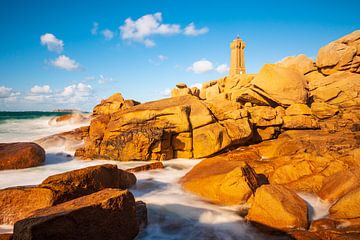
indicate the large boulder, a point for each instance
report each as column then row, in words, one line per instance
column 20, row 155
column 301, row 63
column 80, row 182
column 278, row 207
column 340, row 55
column 341, row 89
column 107, row 214
column 339, row 184
column 284, row 86
column 222, row 179
column 347, row 206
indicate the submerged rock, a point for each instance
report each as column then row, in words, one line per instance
column 146, row 167
column 21, row 155
column 107, row 214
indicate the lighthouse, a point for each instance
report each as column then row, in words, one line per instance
column 237, row 61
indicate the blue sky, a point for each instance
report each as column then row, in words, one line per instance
column 71, row 54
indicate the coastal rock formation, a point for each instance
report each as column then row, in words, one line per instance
column 20, row 155
column 107, row 214
column 18, row 202
column 278, row 207
column 182, row 127
column 340, row 55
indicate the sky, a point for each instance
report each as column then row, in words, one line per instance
column 71, row 54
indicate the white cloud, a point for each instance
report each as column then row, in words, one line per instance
column 197, row 85
column 201, row 66
column 5, row 92
column 53, row 44
column 141, row 29
column 166, row 92
column 162, row 58
column 66, row 63
column 222, row 68
column 94, row 29
column 108, row 34
column 40, row 89
column 191, row 30
column 75, row 93
column 37, row 98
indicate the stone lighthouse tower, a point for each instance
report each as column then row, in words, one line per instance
column 237, row 61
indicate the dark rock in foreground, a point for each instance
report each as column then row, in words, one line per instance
column 107, row 214
column 77, row 183
column 18, row 202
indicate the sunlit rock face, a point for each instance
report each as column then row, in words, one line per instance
column 340, row 55
column 182, row 126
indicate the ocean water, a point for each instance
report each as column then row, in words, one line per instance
column 172, row 212
column 29, row 126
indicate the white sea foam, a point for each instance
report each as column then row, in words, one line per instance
column 22, row 130
column 317, row 207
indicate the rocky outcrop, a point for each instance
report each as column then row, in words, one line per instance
column 278, row 207
column 340, row 55
column 18, row 202
column 20, row 155
column 113, row 104
column 181, row 127
column 107, row 214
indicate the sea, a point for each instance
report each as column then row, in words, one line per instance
column 172, row 212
